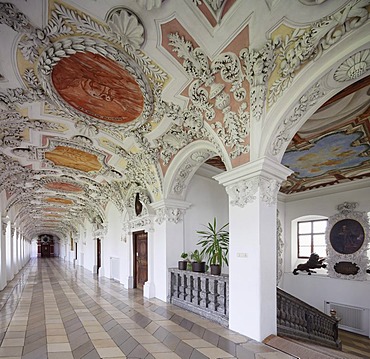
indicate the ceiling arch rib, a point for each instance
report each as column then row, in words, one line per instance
column 85, row 122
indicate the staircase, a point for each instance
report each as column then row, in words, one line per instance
column 304, row 350
column 305, row 332
column 299, row 320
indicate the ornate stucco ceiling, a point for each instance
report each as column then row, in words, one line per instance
column 98, row 98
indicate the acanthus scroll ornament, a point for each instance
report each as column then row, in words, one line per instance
column 280, row 249
column 170, row 214
column 206, row 94
column 305, row 103
column 245, row 191
column 306, row 44
column 269, row 189
column 258, row 66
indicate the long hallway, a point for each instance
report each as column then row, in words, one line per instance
column 54, row 310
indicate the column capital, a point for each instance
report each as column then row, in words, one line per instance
column 243, row 182
column 170, row 210
column 4, row 225
column 12, row 229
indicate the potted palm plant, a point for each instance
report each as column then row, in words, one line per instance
column 215, row 246
column 183, row 264
column 197, row 264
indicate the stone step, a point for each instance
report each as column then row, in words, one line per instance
column 304, row 350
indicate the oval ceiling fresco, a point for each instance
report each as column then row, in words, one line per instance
column 74, row 158
column 63, row 186
column 98, row 87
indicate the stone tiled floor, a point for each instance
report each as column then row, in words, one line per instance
column 54, row 310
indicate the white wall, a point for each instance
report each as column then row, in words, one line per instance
column 208, row 200
column 318, row 288
column 112, row 246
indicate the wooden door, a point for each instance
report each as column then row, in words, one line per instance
column 140, row 259
column 45, row 250
column 98, row 255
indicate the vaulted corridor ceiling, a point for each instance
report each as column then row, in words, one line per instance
column 97, row 98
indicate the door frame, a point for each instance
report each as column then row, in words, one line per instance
column 134, row 246
column 98, row 255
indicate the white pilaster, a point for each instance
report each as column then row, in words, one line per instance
column 149, row 287
column 10, row 257
column 16, row 253
column 168, row 239
column 3, row 272
column 252, row 190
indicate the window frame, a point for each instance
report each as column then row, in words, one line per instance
column 312, row 233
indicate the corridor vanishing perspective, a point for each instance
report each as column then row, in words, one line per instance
column 55, row 310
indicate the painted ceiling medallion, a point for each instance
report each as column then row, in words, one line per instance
column 63, row 186
column 74, row 158
column 99, row 87
column 58, row 200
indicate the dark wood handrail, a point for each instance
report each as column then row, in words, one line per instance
column 299, row 320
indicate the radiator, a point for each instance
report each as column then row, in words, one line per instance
column 353, row 319
column 114, row 268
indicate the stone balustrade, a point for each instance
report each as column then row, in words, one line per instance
column 299, row 320
column 201, row 293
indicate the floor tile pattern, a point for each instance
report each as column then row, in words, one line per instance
column 55, row 310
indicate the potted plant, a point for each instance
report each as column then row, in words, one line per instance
column 215, row 246
column 183, row 264
column 197, row 264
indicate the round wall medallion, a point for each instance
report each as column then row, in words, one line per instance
column 347, row 236
column 99, row 87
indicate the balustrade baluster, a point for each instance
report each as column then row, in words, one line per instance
column 188, row 288
column 200, row 292
column 174, row 285
column 182, row 286
column 203, row 292
column 221, row 305
column 196, row 290
column 212, row 286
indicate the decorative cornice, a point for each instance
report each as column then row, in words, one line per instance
column 242, row 183
column 170, row 210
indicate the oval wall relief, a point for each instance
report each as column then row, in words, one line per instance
column 98, row 87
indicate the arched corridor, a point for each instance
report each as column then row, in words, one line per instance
column 127, row 127
column 52, row 309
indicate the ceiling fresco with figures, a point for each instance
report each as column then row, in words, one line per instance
column 99, row 99
column 333, row 146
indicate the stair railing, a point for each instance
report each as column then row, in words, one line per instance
column 298, row 320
